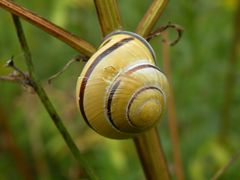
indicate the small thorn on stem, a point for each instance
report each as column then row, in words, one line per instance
column 77, row 58
column 161, row 29
column 10, row 63
column 17, row 75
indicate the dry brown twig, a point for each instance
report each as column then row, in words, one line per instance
column 226, row 167
column 17, row 75
column 77, row 58
column 162, row 29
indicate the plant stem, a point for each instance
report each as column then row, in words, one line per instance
column 221, row 171
column 9, row 79
column 45, row 100
column 108, row 15
column 150, row 18
column 148, row 145
column 171, row 111
column 150, row 152
column 231, row 77
column 61, row 34
column 152, row 157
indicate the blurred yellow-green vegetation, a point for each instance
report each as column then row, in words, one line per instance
column 209, row 126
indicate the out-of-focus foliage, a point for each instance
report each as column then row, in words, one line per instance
column 200, row 61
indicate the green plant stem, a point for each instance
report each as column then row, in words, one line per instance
column 150, row 18
column 151, row 154
column 75, row 42
column 108, row 15
column 46, row 102
column 221, row 171
column 148, row 145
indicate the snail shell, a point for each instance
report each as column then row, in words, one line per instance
column 121, row 92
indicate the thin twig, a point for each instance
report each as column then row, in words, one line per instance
column 226, row 167
column 171, row 112
column 18, row 74
column 10, row 78
column 46, row 102
column 61, row 34
column 75, row 59
column 162, row 29
column 10, row 63
column 15, row 77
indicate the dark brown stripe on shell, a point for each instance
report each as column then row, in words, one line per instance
column 135, row 96
column 109, row 103
column 141, row 66
column 115, row 87
column 90, row 70
column 137, row 36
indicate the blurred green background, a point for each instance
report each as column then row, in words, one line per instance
column 31, row 146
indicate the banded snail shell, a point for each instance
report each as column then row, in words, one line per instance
column 121, row 92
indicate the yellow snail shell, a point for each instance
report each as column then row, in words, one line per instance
column 121, row 92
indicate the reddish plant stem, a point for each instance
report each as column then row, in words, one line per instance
column 171, row 111
column 61, row 34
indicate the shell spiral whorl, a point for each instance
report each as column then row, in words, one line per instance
column 121, row 92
